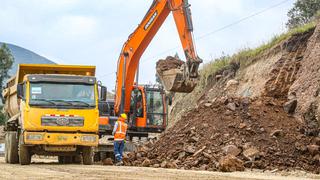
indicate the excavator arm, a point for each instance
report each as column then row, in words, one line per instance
column 183, row 79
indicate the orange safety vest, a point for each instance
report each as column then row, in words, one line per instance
column 121, row 131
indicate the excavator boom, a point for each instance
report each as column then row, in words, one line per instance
column 183, row 79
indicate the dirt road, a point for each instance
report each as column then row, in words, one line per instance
column 49, row 169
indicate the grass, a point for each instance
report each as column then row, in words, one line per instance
column 246, row 55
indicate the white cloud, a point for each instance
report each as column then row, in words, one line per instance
column 93, row 32
column 74, row 26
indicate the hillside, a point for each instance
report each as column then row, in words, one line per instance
column 256, row 109
column 25, row 56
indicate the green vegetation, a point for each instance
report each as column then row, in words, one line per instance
column 303, row 12
column 6, row 61
column 2, row 117
column 246, row 56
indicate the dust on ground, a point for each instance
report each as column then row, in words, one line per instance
column 50, row 169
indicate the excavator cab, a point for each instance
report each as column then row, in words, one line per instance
column 148, row 110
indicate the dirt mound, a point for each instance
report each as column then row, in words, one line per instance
column 169, row 63
column 307, row 86
column 258, row 133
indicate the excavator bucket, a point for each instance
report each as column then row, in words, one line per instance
column 174, row 80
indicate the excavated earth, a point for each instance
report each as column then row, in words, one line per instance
column 169, row 63
column 242, row 132
column 262, row 116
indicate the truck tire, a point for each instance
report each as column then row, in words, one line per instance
column 65, row 159
column 12, row 147
column 61, row 159
column 77, row 159
column 24, row 153
column 87, row 155
column 6, row 149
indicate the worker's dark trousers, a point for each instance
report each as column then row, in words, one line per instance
column 118, row 150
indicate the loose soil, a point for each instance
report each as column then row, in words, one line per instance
column 265, row 130
column 261, row 133
column 169, row 63
column 50, row 169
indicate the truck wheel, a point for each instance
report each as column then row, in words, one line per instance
column 61, row 159
column 24, row 153
column 87, row 155
column 6, row 149
column 12, row 147
column 65, row 159
column 76, row 159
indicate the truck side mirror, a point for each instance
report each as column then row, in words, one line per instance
column 20, row 91
column 103, row 93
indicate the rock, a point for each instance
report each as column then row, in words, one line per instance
column 317, row 141
column 218, row 77
column 207, row 155
column 242, row 125
column 172, row 165
column 190, row 149
column 163, row 164
column 232, row 150
column 107, row 162
column 204, row 167
column 300, row 147
column 316, row 159
column 138, row 155
column 230, row 163
column 207, row 105
column 231, row 106
column 228, row 112
column 230, row 83
column 276, row 133
column 194, row 139
column 290, row 106
column 205, row 125
column 181, row 155
column 156, row 165
column 251, row 153
column 313, row 149
column 146, row 163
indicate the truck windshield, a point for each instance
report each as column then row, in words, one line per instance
column 52, row 94
column 155, row 108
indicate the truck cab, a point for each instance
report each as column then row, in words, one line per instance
column 53, row 110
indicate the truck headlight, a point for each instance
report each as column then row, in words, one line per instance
column 34, row 137
column 88, row 138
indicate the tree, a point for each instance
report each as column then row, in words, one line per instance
column 6, row 61
column 303, row 12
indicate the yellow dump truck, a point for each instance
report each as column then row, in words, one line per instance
column 52, row 110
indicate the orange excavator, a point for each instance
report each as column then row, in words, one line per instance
column 146, row 105
column 183, row 79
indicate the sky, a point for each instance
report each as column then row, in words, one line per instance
column 92, row 32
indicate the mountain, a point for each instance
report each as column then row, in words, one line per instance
column 25, row 56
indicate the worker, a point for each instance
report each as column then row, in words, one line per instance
column 119, row 133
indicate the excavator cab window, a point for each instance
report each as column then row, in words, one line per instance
column 137, row 103
column 155, row 108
